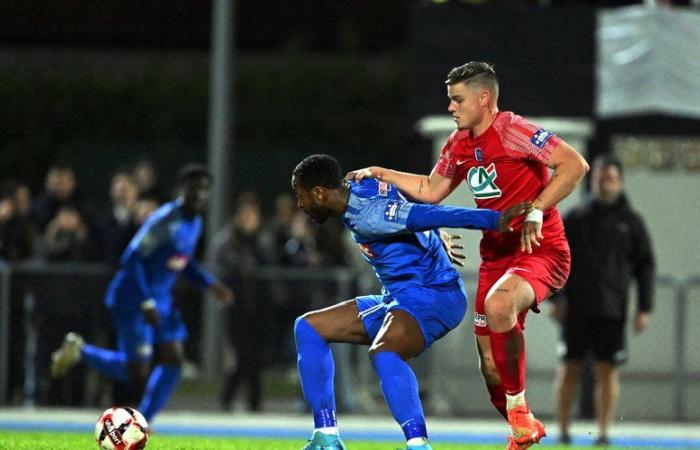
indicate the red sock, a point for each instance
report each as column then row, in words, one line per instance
column 498, row 398
column 508, row 351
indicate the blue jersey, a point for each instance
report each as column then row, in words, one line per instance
column 161, row 249
column 399, row 238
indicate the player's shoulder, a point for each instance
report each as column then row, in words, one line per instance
column 371, row 189
column 508, row 120
column 458, row 136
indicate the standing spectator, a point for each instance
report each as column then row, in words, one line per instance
column 60, row 189
column 609, row 247
column 17, row 230
column 237, row 256
column 143, row 208
column 115, row 227
column 148, row 182
column 290, row 241
column 66, row 237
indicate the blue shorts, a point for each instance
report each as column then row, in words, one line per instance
column 437, row 309
column 136, row 337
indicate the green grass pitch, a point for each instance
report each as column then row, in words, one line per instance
column 22, row 440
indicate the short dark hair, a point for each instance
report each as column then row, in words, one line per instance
column 474, row 72
column 318, row 170
column 607, row 160
column 192, row 171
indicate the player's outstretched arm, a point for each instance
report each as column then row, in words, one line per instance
column 421, row 188
column 428, row 217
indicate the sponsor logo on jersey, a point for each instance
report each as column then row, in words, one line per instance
column 480, row 320
column 479, row 155
column 391, row 211
column 367, row 250
column 384, row 188
column 177, row 263
column 482, row 181
column 540, row 137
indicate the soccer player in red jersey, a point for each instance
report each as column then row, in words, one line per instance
column 504, row 159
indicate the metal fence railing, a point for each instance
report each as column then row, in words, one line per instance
column 40, row 301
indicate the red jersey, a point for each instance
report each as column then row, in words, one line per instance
column 503, row 166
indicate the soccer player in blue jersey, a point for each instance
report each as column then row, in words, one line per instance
column 140, row 302
column 423, row 296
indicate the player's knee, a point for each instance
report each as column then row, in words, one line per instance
column 499, row 308
column 301, row 323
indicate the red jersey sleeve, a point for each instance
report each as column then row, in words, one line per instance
column 523, row 139
column 446, row 164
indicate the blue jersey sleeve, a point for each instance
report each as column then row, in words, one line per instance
column 383, row 217
column 428, row 217
column 197, row 274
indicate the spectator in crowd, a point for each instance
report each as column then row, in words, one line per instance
column 60, row 189
column 17, row 230
column 147, row 181
column 237, row 255
column 66, row 237
column 115, row 227
column 609, row 247
column 290, row 241
column 143, row 208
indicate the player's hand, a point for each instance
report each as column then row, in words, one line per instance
column 222, row 293
column 367, row 172
column 510, row 214
column 151, row 315
column 448, row 243
column 641, row 320
column 532, row 231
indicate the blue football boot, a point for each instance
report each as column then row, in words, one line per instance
column 322, row 441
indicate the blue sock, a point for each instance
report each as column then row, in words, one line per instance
column 400, row 389
column 316, row 371
column 161, row 385
column 110, row 363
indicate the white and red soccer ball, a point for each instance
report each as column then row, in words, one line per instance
column 121, row 428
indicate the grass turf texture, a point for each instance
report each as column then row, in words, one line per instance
column 22, row 440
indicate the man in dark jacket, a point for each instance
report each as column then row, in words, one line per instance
column 609, row 247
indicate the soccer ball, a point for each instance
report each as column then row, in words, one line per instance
column 121, row 428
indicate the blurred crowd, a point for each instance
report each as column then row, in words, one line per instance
column 57, row 225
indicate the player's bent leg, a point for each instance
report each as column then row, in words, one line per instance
column 313, row 332
column 399, row 339
column 509, row 296
column 163, row 378
column 339, row 323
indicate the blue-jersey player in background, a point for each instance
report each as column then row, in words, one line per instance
column 140, row 302
column 423, row 296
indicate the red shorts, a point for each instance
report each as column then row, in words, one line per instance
column 545, row 271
